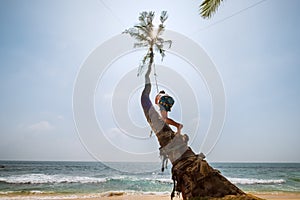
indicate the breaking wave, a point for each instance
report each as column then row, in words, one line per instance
column 253, row 181
column 43, row 179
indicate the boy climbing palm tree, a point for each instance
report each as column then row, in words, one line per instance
column 165, row 103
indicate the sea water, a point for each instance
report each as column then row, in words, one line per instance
column 20, row 177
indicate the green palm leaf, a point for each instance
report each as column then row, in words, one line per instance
column 209, row 7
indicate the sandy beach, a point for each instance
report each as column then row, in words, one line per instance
column 281, row 196
column 271, row 196
column 125, row 196
column 267, row 196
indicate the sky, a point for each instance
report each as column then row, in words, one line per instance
column 45, row 44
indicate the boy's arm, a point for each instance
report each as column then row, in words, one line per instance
column 164, row 115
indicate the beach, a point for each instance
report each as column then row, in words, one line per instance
column 115, row 181
column 270, row 196
column 125, row 196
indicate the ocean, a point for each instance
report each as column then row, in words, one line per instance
column 24, row 177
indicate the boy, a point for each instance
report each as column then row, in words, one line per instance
column 165, row 103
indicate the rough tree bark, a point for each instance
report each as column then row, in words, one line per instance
column 192, row 175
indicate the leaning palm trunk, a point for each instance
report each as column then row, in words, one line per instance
column 191, row 174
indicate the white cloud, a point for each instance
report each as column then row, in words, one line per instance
column 41, row 126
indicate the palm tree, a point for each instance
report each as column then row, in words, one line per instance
column 209, row 7
column 191, row 174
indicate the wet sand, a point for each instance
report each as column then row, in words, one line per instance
column 124, row 196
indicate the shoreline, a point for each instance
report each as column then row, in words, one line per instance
column 135, row 196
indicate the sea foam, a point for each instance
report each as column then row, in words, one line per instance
column 44, row 178
column 253, row 181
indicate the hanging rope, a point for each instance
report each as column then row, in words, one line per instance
column 155, row 77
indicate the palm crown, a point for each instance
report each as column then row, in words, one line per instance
column 148, row 36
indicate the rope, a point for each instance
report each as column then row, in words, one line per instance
column 155, row 77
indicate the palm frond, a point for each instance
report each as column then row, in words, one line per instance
column 163, row 16
column 169, row 42
column 143, row 30
column 140, row 44
column 209, row 7
column 160, row 30
column 137, row 35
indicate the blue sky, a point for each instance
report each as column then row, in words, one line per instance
column 44, row 43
